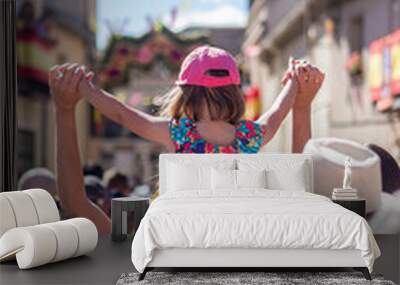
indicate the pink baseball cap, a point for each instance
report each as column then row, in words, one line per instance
column 200, row 66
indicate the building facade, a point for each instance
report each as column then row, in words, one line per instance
column 49, row 33
column 336, row 36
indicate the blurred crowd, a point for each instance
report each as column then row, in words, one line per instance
column 101, row 185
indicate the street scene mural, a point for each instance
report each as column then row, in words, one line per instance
column 136, row 51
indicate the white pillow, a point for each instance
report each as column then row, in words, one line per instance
column 226, row 179
column 295, row 180
column 183, row 177
column 251, row 178
column 281, row 175
column 223, row 179
column 191, row 174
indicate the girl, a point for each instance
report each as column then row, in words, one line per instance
column 201, row 114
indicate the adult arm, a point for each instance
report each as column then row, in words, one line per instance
column 308, row 89
column 312, row 79
column 70, row 181
column 301, row 128
column 147, row 126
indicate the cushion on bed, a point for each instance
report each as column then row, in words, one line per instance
column 285, row 171
column 223, row 179
column 227, row 179
column 251, row 178
column 288, row 175
column 186, row 175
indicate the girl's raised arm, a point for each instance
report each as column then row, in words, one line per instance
column 271, row 120
column 147, row 126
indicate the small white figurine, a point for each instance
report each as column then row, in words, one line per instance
column 347, row 174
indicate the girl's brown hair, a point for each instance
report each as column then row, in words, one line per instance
column 224, row 103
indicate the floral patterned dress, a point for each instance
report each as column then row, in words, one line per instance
column 248, row 138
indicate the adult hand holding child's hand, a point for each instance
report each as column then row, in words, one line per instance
column 309, row 79
column 64, row 81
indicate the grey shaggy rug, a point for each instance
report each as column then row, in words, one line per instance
column 229, row 278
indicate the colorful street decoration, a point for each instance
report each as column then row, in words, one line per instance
column 384, row 71
column 252, row 103
column 354, row 64
column 159, row 44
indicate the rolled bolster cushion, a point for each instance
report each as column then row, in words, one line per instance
column 67, row 240
column 329, row 155
column 40, row 244
column 45, row 206
column 26, row 208
column 33, row 246
column 23, row 208
column 87, row 235
column 7, row 218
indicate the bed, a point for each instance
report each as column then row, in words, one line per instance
column 245, row 211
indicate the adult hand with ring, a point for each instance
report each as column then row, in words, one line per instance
column 64, row 81
column 59, row 74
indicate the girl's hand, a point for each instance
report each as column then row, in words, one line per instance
column 86, row 87
column 63, row 82
column 290, row 72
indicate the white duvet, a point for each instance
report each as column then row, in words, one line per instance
column 254, row 218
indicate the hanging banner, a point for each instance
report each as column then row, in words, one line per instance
column 35, row 45
column 384, row 70
column 394, row 44
column 252, row 103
